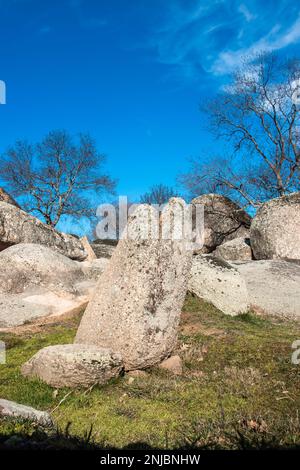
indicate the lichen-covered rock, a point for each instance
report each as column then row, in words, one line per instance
column 138, row 299
column 224, row 220
column 216, row 281
column 11, row 409
column 73, row 365
column 16, row 226
column 238, row 249
column 275, row 230
column 273, row 287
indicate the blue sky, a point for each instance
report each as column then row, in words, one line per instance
column 131, row 73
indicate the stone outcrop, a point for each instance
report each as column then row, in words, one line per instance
column 104, row 248
column 73, row 365
column 219, row 283
column 16, row 226
column 11, row 409
column 36, row 281
column 5, row 197
column 26, row 265
column 275, row 230
column 88, row 249
column 224, row 220
column 238, row 249
column 138, row 299
column 273, row 287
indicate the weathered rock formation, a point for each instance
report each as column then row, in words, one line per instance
column 275, row 230
column 216, row 281
column 88, row 249
column 26, row 265
column 36, row 281
column 238, row 249
column 104, row 248
column 73, row 365
column 5, row 197
column 16, row 226
column 224, row 220
column 137, row 302
column 273, row 286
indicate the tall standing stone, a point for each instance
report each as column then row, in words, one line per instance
column 137, row 302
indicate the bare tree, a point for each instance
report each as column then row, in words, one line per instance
column 258, row 115
column 55, row 177
column 158, row 194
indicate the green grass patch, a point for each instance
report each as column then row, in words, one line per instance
column 239, row 389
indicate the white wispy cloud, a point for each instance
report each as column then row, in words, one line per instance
column 276, row 40
column 246, row 12
column 215, row 36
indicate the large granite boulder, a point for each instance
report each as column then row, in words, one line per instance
column 219, row 283
column 238, row 249
column 224, row 220
column 273, row 286
column 5, row 197
column 26, row 265
column 36, row 281
column 73, row 365
column 275, row 230
column 16, row 226
column 138, row 299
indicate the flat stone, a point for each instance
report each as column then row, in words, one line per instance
column 11, row 409
column 273, row 287
column 73, row 365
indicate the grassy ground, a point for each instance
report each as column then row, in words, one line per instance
column 239, row 389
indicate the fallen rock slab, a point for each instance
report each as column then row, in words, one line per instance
column 216, row 281
column 11, row 409
column 16, row 226
column 275, row 230
column 273, row 287
column 138, row 299
column 238, row 249
column 73, row 365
